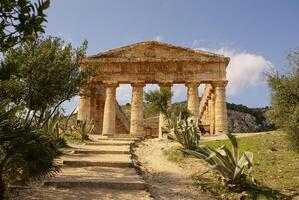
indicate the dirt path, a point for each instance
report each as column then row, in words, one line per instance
column 166, row 179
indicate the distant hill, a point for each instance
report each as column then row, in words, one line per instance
column 241, row 119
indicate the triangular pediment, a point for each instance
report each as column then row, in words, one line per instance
column 154, row 50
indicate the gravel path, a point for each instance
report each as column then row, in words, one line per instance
column 166, row 179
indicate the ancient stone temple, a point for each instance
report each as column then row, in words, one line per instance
column 154, row 63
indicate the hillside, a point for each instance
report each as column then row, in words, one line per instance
column 241, row 119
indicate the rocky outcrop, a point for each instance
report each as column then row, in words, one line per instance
column 239, row 122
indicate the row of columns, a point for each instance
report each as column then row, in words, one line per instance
column 212, row 111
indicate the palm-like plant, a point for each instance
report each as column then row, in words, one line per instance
column 24, row 152
column 226, row 163
column 184, row 131
column 84, row 128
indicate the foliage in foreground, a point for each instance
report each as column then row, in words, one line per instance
column 35, row 79
column 183, row 131
column 21, row 20
column 83, row 129
column 284, row 110
column 226, row 163
column 178, row 125
column 24, row 151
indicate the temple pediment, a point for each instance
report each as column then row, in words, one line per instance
column 154, row 51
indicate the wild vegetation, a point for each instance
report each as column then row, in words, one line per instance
column 284, row 109
column 179, row 126
column 275, row 168
column 227, row 164
column 37, row 74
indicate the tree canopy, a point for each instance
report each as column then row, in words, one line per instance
column 21, row 20
column 45, row 73
column 284, row 110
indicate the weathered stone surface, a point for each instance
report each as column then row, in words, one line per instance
column 155, row 62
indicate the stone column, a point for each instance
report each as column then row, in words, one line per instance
column 136, row 123
column 192, row 99
column 109, row 109
column 162, row 117
column 212, row 114
column 84, row 105
column 220, row 108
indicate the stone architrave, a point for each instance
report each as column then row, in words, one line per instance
column 136, row 122
column 220, row 108
column 109, row 109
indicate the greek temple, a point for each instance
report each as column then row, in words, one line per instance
column 153, row 63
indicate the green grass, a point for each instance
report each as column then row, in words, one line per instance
column 275, row 167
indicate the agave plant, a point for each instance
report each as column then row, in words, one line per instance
column 53, row 130
column 84, row 128
column 226, row 163
column 184, row 131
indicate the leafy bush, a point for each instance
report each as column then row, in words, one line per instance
column 54, row 130
column 184, row 131
column 84, row 128
column 226, row 163
column 24, row 152
column 284, row 109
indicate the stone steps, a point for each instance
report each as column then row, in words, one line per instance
column 98, row 177
column 79, row 151
column 120, row 185
column 82, row 163
column 101, row 165
column 119, row 139
column 52, row 193
column 109, row 143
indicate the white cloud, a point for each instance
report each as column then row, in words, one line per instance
column 197, row 42
column 158, row 38
column 244, row 69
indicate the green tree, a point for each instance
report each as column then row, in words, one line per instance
column 46, row 73
column 35, row 79
column 284, row 109
column 21, row 20
column 158, row 100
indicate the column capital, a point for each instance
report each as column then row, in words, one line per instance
column 165, row 84
column 138, row 84
column 220, row 83
column 110, row 83
column 192, row 84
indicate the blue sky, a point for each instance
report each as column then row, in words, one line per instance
column 256, row 34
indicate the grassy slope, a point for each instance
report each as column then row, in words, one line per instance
column 274, row 165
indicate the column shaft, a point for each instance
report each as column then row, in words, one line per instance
column 136, row 123
column 212, row 114
column 109, row 110
column 192, row 99
column 220, row 109
column 84, row 106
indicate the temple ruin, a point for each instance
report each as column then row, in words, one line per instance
column 154, row 63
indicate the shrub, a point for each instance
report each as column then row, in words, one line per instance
column 184, row 131
column 227, row 164
column 84, row 128
column 52, row 129
column 284, row 109
column 24, row 152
